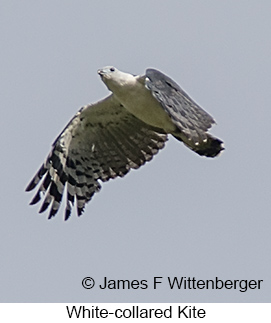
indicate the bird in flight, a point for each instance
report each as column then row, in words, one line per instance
column 106, row 139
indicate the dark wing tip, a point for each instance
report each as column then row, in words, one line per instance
column 36, row 178
column 30, row 186
column 44, row 206
column 52, row 213
column 35, row 199
column 80, row 211
column 67, row 215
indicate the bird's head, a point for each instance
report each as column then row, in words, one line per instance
column 113, row 78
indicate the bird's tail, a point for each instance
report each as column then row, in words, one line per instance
column 209, row 146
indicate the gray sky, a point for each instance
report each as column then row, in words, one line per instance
column 181, row 214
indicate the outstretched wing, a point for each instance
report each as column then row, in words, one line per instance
column 101, row 142
column 191, row 120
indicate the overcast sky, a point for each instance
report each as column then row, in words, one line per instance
column 179, row 215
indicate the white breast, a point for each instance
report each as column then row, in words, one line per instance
column 138, row 100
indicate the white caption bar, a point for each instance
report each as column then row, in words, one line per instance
column 205, row 312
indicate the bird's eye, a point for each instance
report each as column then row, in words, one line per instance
column 112, row 69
